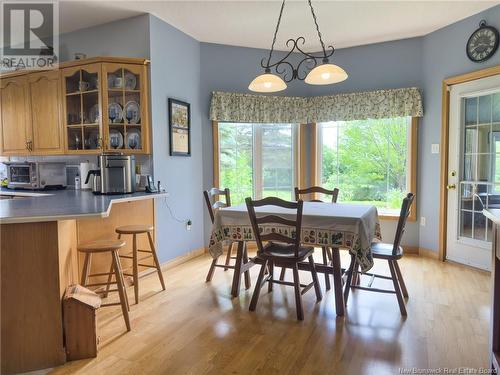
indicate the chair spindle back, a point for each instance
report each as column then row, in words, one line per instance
column 403, row 216
column 213, row 195
column 296, row 224
column 317, row 189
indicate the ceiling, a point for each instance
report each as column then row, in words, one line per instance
column 252, row 23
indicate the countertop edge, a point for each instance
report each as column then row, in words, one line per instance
column 103, row 214
column 492, row 214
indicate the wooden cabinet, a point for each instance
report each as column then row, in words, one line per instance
column 126, row 121
column 82, row 108
column 14, row 116
column 31, row 114
column 85, row 107
column 45, row 94
column 106, row 108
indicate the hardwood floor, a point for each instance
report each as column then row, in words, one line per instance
column 196, row 328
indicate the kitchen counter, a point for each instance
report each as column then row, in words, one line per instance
column 39, row 236
column 55, row 205
column 493, row 214
column 494, row 339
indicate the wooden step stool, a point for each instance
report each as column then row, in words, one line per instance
column 79, row 318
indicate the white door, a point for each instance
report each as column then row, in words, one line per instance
column 474, row 170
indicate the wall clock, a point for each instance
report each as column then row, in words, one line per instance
column 483, row 43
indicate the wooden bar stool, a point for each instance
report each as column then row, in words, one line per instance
column 134, row 230
column 112, row 247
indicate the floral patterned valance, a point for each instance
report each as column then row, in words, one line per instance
column 235, row 107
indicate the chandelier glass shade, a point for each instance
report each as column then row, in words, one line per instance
column 267, row 82
column 308, row 68
column 326, row 74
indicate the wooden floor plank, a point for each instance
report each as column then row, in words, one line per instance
column 197, row 328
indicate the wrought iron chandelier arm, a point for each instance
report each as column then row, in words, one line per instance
column 317, row 29
column 310, row 55
column 269, row 65
column 275, row 34
column 289, row 70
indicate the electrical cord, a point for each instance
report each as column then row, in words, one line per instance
column 175, row 218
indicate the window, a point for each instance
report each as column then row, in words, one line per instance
column 257, row 160
column 370, row 161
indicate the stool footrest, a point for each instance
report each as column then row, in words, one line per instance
column 224, row 266
column 111, row 304
column 145, row 251
column 104, row 291
column 102, row 274
column 131, row 257
column 99, row 284
column 147, row 265
column 128, row 274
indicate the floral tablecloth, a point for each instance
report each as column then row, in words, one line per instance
column 353, row 227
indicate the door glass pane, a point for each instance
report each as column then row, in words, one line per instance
column 470, row 140
column 485, row 109
column 479, row 226
column 72, row 82
column 480, row 166
column 496, row 107
column 484, row 170
column 82, row 110
column 470, row 111
column 466, row 224
column 469, row 173
column 116, row 101
column 466, row 196
column 132, row 110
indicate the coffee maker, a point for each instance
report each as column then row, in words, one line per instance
column 116, row 174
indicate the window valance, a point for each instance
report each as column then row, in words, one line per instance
column 236, row 107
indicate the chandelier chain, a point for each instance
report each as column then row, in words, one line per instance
column 276, row 32
column 317, row 28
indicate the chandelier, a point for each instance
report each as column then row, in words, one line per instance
column 322, row 73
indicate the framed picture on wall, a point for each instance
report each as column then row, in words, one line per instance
column 179, row 120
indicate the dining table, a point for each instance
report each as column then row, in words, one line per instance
column 335, row 225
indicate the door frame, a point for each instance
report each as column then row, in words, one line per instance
column 445, row 127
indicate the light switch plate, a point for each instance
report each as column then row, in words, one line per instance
column 435, row 148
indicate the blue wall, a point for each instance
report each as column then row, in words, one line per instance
column 127, row 38
column 175, row 73
column 443, row 56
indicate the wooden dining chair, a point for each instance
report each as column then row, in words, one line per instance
column 317, row 189
column 390, row 252
column 327, row 254
column 282, row 249
column 212, row 199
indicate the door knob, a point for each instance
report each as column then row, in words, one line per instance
column 451, row 187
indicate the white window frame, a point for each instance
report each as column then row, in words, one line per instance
column 411, row 160
column 257, row 179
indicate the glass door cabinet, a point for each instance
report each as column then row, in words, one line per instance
column 106, row 108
